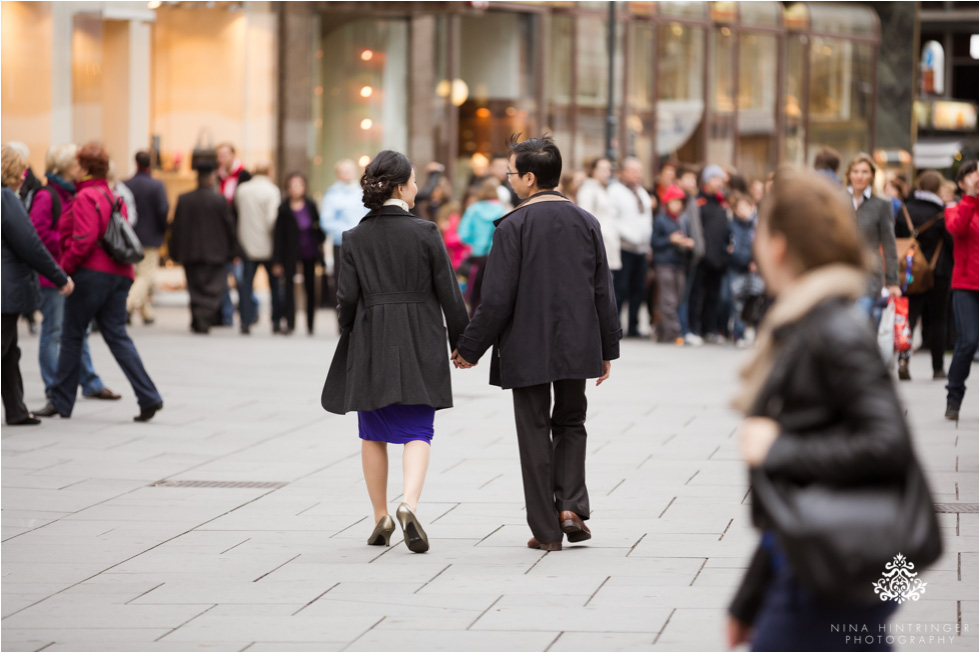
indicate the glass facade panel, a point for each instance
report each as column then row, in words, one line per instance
column 592, row 60
column 559, row 93
column 757, row 80
column 844, row 18
column 841, row 91
column 763, row 14
column 639, row 102
column 683, row 9
column 721, row 97
column 680, row 86
column 794, row 130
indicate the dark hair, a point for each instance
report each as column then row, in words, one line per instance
column 594, row 163
column 540, row 156
column 965, row 169
column 94, row 159
column 142, row 159
column 499, row 155
column 738, row 183
column 386, row 171
column 683, row 169
column 930, row 181
column 294, row 175
column 827, row 159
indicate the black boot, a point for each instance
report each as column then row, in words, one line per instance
column 952, row 413
column 903, row 370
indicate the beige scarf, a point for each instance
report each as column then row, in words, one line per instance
column 792, row 305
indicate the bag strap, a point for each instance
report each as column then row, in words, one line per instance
column 908, row 221
column 936, row 218
column 935, row 256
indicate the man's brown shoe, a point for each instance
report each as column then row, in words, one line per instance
column 544, row 546
column 105, row 393
column 574, row 527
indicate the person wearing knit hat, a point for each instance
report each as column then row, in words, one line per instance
column 672, row 245
column 713, row 172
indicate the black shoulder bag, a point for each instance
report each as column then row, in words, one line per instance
column 119, row 240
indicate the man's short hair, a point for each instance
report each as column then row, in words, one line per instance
column 965, row 169
column 226, row 144
column 827, row 159
column 142, row 159
column 540, row 156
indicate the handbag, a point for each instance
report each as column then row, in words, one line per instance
column 918, row 270
column 903, row 334
column 886, row 332
column 119, row 240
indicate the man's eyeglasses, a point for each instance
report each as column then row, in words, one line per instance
column 509, row 173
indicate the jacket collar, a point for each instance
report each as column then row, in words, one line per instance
column 389, row 211
column 542, row 196
column 92, row 181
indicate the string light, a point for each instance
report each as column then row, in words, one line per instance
column 366, row 124
column 367, row 55
column 367, row 91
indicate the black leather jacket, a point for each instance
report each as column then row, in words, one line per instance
column 841, row 422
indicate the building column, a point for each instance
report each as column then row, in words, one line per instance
column 421, row 125
column 139, row 91
column 297, row 38
column 62, row 15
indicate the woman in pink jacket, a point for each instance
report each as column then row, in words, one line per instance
column 47, row 205
column 961, row 222
column 102, row 286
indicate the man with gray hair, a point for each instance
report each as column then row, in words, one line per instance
column 633, row 216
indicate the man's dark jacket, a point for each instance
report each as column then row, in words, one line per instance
column 151, row 207
column 548, row 308
column 717, row 232
column 203, row 231
column 396, row 283
column 23, row 256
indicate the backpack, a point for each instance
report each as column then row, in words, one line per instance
column 119, row 240
column 55, row 203
column 918, row 270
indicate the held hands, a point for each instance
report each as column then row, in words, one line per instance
column 67, row 289
column 606, row 367
column 738, row 633
column 461, row 363
column 756, row 437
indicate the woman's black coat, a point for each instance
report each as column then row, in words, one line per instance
column 841, row 422
column 921, row 210
column 24, row 255
column 286, row 243
column 396, row 283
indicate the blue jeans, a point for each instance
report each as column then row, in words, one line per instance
column 682, row 310
column 248, row 304
column 965, row 313
column 102, row 297
column 53, row 311
column 873, row 308
column 794, row 619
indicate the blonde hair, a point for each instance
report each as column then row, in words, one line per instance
column 60, row 158
column 861, row 157
column 13, row 166
column 488, row 190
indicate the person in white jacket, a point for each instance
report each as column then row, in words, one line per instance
column 633, row 217
column 257, row 202
column 593, row 196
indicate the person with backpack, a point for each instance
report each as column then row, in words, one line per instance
column 46, row 205
column 102, row 286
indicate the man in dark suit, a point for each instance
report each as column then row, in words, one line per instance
column 202, row 239
column 152, row 208
column 549, row 311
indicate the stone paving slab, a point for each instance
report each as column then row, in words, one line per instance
column 97, row 555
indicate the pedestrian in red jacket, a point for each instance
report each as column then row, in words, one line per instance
column 961, row 222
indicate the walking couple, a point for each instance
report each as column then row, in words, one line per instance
column 548, row 311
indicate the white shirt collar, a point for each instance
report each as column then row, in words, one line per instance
column 397, row 202
column 867, row 195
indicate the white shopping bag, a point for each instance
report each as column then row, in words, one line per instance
column 886, row 333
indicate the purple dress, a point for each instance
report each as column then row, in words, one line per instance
column 397, row 424
column 307, row 239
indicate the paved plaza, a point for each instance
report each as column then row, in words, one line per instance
column 237, row 519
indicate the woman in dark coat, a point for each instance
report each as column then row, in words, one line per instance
column 821, row 413
column 298, row 238
column 392, row 362
column 926, row 209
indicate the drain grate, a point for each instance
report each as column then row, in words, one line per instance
column 221, row 484
column 958, row 507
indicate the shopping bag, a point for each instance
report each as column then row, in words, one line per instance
column 903, row 334
column 886, row 332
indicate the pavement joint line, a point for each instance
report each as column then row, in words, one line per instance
column 491, row 533
column 589, row 600
column 106, row 533
column 387, row 550
column 315, row 600
column 959, row 616
column 626, row 430
column 699, row 572
column 46, row 646
column 692, row 477
column 672, row 500
column 433, row 578
column 236, row 546
column 615, row 487
column 213, row 606
column 156, row 455
column 144, row 594
column 956, row 487
column 535, row 563
column 957, row 524
column 494, row 442
column 717, row 449
column 601, row 446
column 655, row 407
column 734, row 431
column 347, row 527
column 75, row 483
column 310, row 508
column 690, row 421
column 747, row 493
column 121, row 562
column 554, row 641
column 279, row 567
column 373, row 626
column 247, row 646
column 725, row 532
column 644, row 461
column 453, row 466
column 496, row 601
column 669, row 438
column 42, row 469
column 632, row 548
column 959, row 562
column 490, row 481
column 664, row 627
column 122, row 444
column 445, row 513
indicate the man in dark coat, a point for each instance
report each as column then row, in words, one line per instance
column 203, row 240
column 23, row 257
column 152, row 208
column 704, row 306
column 549, row 311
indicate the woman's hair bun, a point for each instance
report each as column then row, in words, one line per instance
column 386, row 171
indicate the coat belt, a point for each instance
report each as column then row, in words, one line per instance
column 394, row 298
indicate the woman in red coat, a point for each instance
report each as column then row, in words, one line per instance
column 102, row 286
column 961, row 222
